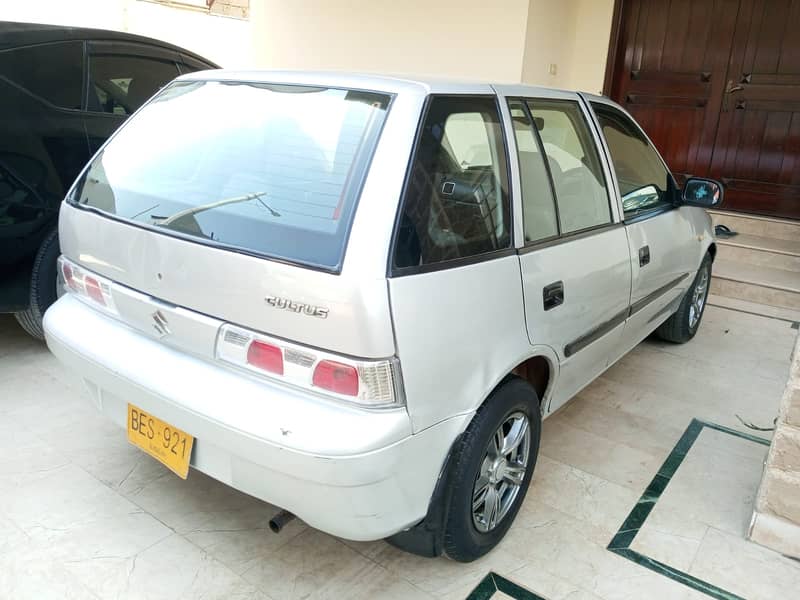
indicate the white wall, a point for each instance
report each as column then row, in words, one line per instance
column 458, row 38
column 226, row 41
column 574, row 36
column 590, row 40
column 507, row 40
column 548, row 41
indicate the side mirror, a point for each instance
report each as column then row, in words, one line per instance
column 705, row 193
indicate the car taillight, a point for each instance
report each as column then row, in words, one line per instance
column 93, row 290
column 66, row 270
column 87, row 286
column 265, row 356
column 336, row 377
column 371, row 383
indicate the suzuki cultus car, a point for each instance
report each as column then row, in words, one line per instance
column 356, row 298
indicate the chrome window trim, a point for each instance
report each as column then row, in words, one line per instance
column 568, row 237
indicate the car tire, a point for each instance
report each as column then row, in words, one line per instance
column 44, row 279
column 469, row 532
column 683, row 325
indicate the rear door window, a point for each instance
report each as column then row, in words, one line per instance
column 268, row 169
column 574, row 164
column 119, row 84
column 51, row 72
column 539, row 216
column 456, row 201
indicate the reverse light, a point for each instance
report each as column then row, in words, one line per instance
column 369, row 383
column 92, row 288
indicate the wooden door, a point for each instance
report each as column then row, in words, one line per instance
column 757, row 150
column 716, row 85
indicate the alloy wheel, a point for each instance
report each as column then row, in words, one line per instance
column 502, row 472
column 698, row 299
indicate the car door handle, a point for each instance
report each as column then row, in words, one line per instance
column 553, row 295
column 644, row 255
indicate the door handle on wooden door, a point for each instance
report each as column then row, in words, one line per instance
column 729, row 89
column 553, row 295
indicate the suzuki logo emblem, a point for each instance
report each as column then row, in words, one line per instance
column 160, row 324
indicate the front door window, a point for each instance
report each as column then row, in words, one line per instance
column 644, row 182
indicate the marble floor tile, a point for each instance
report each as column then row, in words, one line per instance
column 621, row 413
column 712, row 486
column 598, row 455
column 117, row 537
column 11, row 537
column 315, row 565
column 170, row 568
column 26, row 574
column 17, row 345
column 581, row 495
column 61, row 499
column 671, row 549
column 746, row 569
column 240, row 539
column 535, row 577
column 441, row 577
column 193, row 503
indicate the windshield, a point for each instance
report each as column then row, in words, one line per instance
column 273, row 170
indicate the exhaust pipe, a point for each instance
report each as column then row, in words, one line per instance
column 280, row 520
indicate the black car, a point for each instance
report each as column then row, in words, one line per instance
column 63, row 92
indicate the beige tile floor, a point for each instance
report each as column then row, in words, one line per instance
column 85, row 515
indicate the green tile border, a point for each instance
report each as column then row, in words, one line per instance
column 620, row 544
column 493, row 583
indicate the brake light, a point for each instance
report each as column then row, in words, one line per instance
column 87, row 286
column 265, row 356
column 68, row 279
column 93, row 290
column 371, row 383
column 336, row 377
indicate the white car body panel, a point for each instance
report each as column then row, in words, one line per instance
column 357, row 472
column 448, row 326
column 595, row 270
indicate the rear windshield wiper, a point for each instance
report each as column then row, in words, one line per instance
column 216, row 204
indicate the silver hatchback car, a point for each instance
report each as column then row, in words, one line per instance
column 356, row 298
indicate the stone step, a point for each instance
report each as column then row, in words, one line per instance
column 768, row 227
column 754, row 308
column 760, row 251
column 764, row 285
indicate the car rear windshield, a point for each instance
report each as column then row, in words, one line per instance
column 272, row 170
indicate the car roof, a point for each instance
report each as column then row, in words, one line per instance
column 24, row 34
column 363, row 81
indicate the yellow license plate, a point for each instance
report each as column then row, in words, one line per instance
column 160, row 440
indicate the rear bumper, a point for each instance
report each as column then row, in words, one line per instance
column 353, row 473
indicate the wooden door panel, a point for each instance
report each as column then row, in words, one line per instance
column 758, row 136
column 676, row 125
column 671, row 61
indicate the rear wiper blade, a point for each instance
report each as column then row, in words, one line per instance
column 216, row 204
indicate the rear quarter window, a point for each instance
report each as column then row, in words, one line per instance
column 456, row 202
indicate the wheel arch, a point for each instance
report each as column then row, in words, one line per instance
column 539, row 366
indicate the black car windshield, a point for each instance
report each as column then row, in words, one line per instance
column 268, row 169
